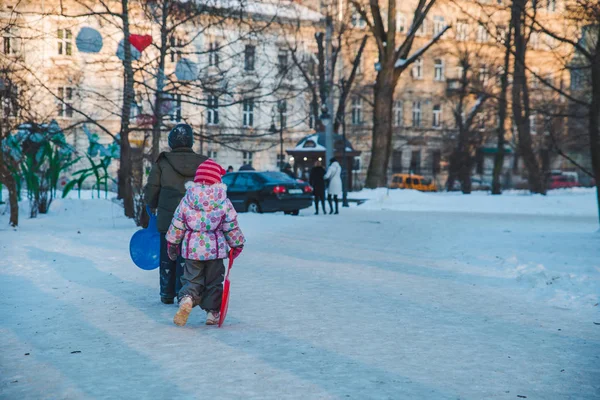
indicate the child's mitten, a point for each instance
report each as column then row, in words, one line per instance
column 237, row 251
column 172, row 251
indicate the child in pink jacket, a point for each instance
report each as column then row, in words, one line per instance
column 203, row 229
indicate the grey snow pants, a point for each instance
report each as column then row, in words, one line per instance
column 203, row 282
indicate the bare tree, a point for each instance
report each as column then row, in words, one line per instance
column 584, row 66
column 502, row 115
column 468, row 95
column 521, row 106
column 347, row 43
column 394, row 59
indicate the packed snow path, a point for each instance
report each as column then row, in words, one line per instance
column 364, row 305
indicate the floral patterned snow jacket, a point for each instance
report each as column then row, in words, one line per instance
column 205, row 223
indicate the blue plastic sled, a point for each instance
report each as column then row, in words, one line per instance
column 144, row 246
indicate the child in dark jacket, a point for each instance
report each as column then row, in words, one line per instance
column 203, row 229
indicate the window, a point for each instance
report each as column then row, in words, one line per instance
column 438, row 72
column 438, row 24
column 415, row 162
column 550, row 79
column 417, row 70
column 248, row 112
column 482, row 34
column 311, row 120
column 282, row 109
column 172, row 106
column 398, row 113
column 357, row 117
column 436, row 162
column 212, row 115
column 422, row 31
column 10, row 43
column 534, row 40
column 176, row 45
column 247, row 157
column 550, row 42
column 416, row 114
column 397, row 161
column 65, row 42
column 280, row 161
column 282, row 62
column 535, row 81
column 212, row 154
column 357, row 20
column 135, row 110
column 460, row 71
column 249, row 58
column 437, row 116
column 484, row 74
column 501, row 33
column 65, row 105
column 532, row 124
column 10, row 103
column 551, row 5
column 499, row 74
column 213, row 54
column 356, row 164
column 462, row 30
column 400, row 23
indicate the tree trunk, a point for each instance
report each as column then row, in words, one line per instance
column 160, row 84
column 466, row 166
column 125, row 166
column 13, row 196
column 594, row 119
column 502, row 112
column 520, row 102
column 382, row 129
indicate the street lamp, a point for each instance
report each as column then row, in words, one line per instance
column 273, row 131
column 345, row 161
column 281, row 108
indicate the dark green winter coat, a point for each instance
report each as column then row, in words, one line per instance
column 166, row 183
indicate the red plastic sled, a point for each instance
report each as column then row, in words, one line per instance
column 225, row 299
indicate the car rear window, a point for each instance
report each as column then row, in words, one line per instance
column 276, row 177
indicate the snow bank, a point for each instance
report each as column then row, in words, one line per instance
column 564, row 202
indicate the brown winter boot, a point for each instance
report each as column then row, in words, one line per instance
column 185, row 308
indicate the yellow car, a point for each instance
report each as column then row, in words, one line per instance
column 411, row 181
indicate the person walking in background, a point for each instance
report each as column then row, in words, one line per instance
column 230, row 169
column 317, row 181
column 203, row 229
column 164, row 191
column 334, row 175
column 287, row 169
column 247, row 167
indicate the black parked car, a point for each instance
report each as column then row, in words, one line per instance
column 267, row 192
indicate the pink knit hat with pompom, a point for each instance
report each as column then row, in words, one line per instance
column 209, row 173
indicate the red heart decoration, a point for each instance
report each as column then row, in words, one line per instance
column 140, row 42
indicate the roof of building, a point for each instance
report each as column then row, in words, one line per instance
column 316, row 142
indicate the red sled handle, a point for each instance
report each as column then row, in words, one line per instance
column 225, row 298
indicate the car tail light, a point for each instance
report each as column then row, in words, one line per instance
column 279, row 189
column 308, row 189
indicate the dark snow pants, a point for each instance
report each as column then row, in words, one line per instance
column 203, row 282
column 170, row 272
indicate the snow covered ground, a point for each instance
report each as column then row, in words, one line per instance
column 416, row 298
column 574, row 201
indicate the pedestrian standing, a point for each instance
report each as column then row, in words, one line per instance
column 317, row 181
column 334, row 190
column 164, row 191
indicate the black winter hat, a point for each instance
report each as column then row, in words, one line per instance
column 181, row 135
